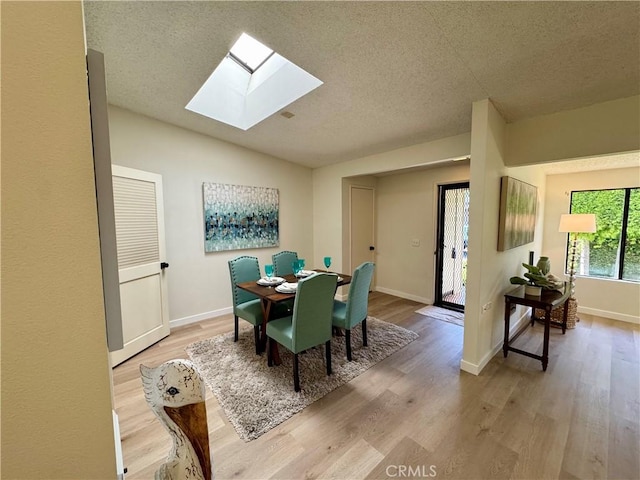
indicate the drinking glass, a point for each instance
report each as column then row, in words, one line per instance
column 301, row 264
column 268, row 269
column 295, row 266
column 327, row 262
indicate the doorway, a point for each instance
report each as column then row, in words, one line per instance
column 452, row 240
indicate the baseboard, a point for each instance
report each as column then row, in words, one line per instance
column 623, row 317
column 475, row 369
column 408, row 296
column 179, row 322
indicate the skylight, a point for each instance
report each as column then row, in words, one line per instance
column 251, row 83
column 250, row 52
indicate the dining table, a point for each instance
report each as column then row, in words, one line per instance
column 269, row 296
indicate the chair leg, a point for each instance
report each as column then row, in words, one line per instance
column 296, row 375
column 347, row 339
column 269, row 354
column 256, row 337
column 327, row 347
column 364, row 332
column 235, row 328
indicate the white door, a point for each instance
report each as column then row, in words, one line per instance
column 139, row 215
column 362, row 226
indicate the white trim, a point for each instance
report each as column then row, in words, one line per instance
column 474, row 369
column 178, row 322
column 623, row 317
column 408, row 296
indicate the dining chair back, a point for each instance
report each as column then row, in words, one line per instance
column 245, row 304
column 282, row 262
column 354, row 311
column 310, row 324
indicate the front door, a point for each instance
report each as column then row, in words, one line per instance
column 362, row 226
column 451, row 254
column 137, row 198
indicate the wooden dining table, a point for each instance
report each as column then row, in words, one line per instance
column 269, row 297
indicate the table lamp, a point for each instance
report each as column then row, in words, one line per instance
column 575, row 223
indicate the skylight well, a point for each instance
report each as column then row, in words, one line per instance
column 251, row 83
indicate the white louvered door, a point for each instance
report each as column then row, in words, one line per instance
column 137, row 198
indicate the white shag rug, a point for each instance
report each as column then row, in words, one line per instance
column 443, row 314
column 257, row 398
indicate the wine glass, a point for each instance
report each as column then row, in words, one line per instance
column 301, row 264
column 327, row 262
column 295, row 266
column 268, row 270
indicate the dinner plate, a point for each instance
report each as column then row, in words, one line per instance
column 287, row 287
column 305, row 273
column 266, row 282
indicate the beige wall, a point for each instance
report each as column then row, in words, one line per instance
column 407, row 207
column 56, row 400
column 329, row 192
column 601, row 129
column 199, row 282
column 609, row 298
column 488, row 269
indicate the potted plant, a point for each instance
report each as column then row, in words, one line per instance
column 535, row 280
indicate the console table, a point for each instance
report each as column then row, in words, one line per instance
column 547, row 301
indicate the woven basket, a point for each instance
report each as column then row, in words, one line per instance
column 556, row 313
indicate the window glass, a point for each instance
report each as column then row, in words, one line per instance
column 631, row 269
column 598, row 253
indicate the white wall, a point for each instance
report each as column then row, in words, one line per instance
column 328, row 188
column 199, row 285
column 600, row 129
column 56, row 387
column 407, row 208
column 488, row 269
column 608, row 298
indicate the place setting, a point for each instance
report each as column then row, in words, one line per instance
column 269, row 280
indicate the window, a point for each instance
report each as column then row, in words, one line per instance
column 613, row 251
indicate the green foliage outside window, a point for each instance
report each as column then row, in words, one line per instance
column 604, row 248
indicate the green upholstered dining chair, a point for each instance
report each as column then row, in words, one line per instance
column 282, row 262
column 310, row 324
column 354, row 311
column 245, row 304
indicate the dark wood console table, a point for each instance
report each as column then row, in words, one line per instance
column 547, row 302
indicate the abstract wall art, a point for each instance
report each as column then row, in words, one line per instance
column 239, row 217
column 517, row 224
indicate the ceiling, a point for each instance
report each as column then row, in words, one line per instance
column 394, row 73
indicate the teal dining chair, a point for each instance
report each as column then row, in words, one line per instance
column 245, row 304
column 310, row 324
column 282, row 262
column 348, row 314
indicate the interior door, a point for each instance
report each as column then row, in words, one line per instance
column 139, row 216
column 362, row 226
column 451, row 254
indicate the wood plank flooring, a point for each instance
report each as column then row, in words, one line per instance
column 416, row 415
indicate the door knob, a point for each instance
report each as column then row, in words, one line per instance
column 164, row 265
column 371, row 247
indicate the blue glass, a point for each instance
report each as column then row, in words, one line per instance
column 327, row 262
column 295, row 266
column 268, row 269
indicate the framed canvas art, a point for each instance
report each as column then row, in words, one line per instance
column 239, row 217
column 518, row 204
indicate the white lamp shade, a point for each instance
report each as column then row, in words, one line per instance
column 577, row 223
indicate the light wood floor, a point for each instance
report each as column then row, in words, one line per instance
column 416, row 414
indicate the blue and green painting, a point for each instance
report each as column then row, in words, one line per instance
column 239, row 217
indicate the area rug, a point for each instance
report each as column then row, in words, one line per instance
column 257, row 398
column 443, row 314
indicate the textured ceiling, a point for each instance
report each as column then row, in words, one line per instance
column 394, row 73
